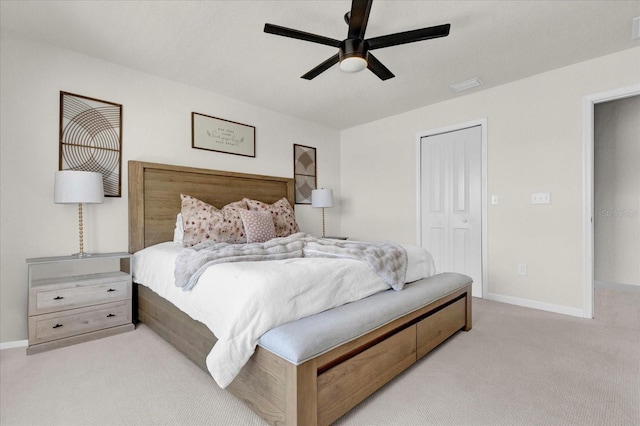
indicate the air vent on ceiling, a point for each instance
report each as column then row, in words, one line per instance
column 466, row 85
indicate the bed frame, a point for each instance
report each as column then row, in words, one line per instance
column 318, row 391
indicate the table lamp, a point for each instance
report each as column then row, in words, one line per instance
column 322, row 198
column 74, row 186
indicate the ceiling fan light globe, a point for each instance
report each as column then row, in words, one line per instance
column 353, row 64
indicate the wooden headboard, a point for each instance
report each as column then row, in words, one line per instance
column 154, row 196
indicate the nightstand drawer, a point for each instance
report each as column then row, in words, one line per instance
column 43, row 328
column 47, row 300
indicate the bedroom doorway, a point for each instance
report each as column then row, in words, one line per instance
column 589, row 105
column 451, row 182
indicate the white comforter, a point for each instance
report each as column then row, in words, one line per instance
column 241, row 301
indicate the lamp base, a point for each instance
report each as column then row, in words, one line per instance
column 323, row 222
column 81, row 255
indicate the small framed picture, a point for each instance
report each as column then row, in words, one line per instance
column 216, row 134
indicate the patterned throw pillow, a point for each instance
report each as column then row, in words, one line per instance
column 204, row 222
column 258, row 226
column 284, row 218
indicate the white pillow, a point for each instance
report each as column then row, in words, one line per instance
column 420, row 263
column 178, row 232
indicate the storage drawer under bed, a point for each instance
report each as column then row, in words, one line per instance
column 346, row 384
column 439, row 326
column 351, row 381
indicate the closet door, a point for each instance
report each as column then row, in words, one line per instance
column 451, row 203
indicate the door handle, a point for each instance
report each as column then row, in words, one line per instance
column 464, row 220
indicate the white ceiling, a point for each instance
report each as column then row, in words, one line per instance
column 220, row 46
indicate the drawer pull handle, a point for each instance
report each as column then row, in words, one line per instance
column 58, row 298
column 57, row 326
column 110, row 290
column 110, row 315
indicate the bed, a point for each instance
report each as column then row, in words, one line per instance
column 303, row 388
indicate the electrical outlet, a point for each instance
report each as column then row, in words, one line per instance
column 494, row 200
column 522, row 269
column 541, row 198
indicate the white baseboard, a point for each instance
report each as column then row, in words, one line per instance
column 527, row 303
column 617, row 286
column 16, row 344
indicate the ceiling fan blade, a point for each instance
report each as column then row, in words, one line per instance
column 358, row 18
column 377, row 68
column 322, row 67
column 409, row 36
column 300, row 35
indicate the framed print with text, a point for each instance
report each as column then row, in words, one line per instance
column 216, row 134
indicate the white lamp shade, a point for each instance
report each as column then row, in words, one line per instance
column 74, row 186
column 322, row 198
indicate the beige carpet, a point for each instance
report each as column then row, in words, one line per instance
column 517, row 366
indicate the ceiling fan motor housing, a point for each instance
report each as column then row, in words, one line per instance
column 353, row 47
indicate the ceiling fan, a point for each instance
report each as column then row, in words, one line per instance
column 354, row 51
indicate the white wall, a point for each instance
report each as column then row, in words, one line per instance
column 156, row 128
column 534, row 145
column 617, row 191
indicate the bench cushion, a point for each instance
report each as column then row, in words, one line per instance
column 306, row 338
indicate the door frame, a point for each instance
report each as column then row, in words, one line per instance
column 482, row 122
column 589, row 103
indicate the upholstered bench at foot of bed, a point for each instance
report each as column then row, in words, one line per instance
column 309, row 337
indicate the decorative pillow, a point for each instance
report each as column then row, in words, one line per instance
column 204, row 222
column 258, row 226
column 178, row 232
column 284, row 218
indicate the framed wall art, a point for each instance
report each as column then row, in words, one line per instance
column 304, row 170
column 216, row 134
column 91, row 138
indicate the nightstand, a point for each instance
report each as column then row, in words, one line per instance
column 77, row 299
